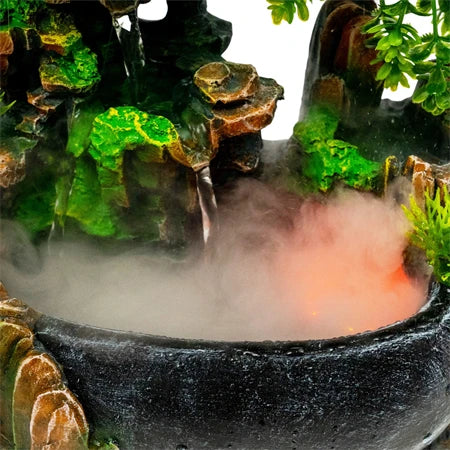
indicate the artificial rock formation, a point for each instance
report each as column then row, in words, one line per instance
column 235, row 102
column 426, row 177
column 37, row 409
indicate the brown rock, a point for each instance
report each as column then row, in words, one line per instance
column 352, row 53
column 250, row 117
column 43, row 101
column 3, row 294
column 226, row 82
column 426, row 177
column 345, row 11
column 37, row 374
column 37, row 411
column 12, row 170
column 31, row 123
column 331, row 90
column 239, row 103
column 6, row 49
column 58, row 422
column 16, row 309
column 15, row 341
column 120, row 7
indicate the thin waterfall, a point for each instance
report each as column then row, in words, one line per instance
column 207, row 200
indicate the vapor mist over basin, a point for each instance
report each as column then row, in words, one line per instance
column 278, row 269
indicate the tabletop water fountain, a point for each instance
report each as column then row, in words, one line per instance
column 184, row 284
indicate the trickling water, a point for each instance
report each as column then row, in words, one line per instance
column 132, row 48
column 207, row 200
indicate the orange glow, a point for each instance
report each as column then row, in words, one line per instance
column 349, row 268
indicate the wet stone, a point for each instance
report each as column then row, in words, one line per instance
column 12, row 169
column 6, row 49
column 226, row 82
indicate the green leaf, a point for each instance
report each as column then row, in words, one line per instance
column 393, row 10
column 424, row 5
column 445, row 27
column 395, row 38
column 384, row 72
column 412, row 31
column 421, row 52
column 429, row 104
column 277, row 14
column 404, row 81
column 443, row 51
column 391, row 54
column 420, row 95
column 436, row 84
column 383, row 44
column 443, row 100
column 413, row 10
column 424, row 67
column 375, row 29
column 302, row 10
column 444, row 6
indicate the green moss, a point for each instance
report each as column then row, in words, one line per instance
column 36, row 205
column 77, row 72
column 328, row 160
column 18, row 12
column 59, row 33
column 86, row 204
column 126, row 128
column 80, row 127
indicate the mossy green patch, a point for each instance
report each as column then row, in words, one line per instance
column 36, row 204
column 59, row 33
column 18, row 12
column 86, row 204
column 328, row 160
column 77, row 72
column 80, row 127
column 126, row 128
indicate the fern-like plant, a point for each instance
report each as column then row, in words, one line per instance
column 431, row 231
column 401, row 48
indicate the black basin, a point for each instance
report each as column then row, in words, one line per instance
column 388, row 389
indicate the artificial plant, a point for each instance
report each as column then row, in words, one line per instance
column 402, row 50
column 431, row 230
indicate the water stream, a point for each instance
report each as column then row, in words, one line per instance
column 133, row 49
column 207, row 200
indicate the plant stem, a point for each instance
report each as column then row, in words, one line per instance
column 435, row 21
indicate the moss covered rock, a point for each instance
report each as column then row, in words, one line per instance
column 126, row 128
column 75, row 73
column 327, row 160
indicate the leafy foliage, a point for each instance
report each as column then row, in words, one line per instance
column 403, row 51
column 286, row 9
column 5, row 108
column 329, row 160
column 431, row 231
column 401, row 48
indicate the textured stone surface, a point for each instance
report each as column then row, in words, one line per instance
column 6, row 49
column 227, row 82
column 12, row 169
column 240, row 103
column 37, row 410
column 426, row 177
